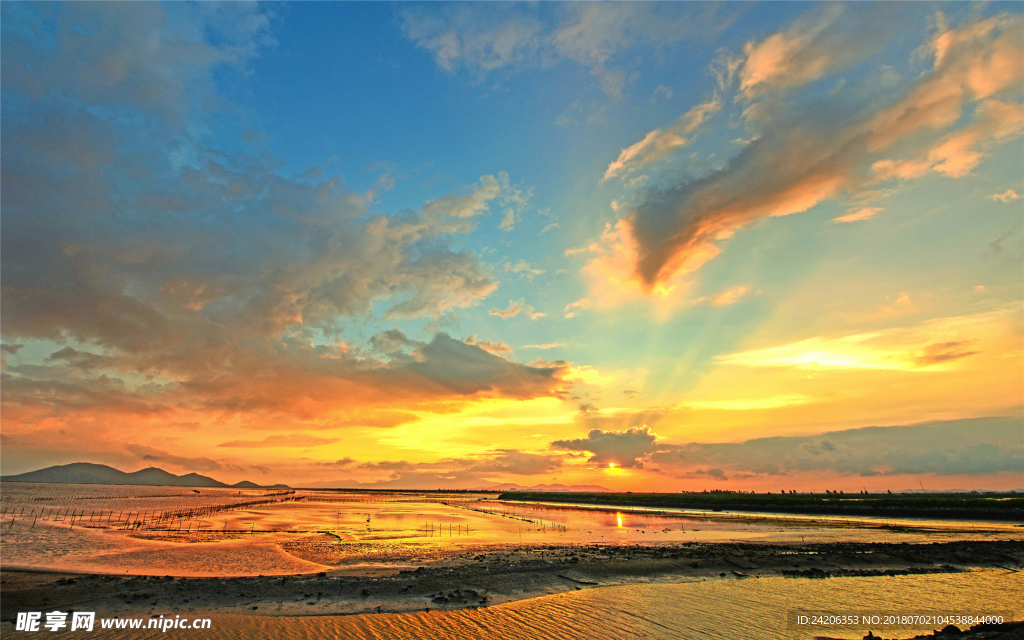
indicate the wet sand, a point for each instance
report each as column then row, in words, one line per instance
column 489, row 577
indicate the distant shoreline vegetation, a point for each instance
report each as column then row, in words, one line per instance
column 945, row 506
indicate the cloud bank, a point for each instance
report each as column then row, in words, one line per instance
column 175, row 271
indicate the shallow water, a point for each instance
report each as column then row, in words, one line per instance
column 752, row 609
column 324, row 530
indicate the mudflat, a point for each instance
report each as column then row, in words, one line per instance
column 490, row 576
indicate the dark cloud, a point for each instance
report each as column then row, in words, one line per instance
column 342, row 462
column 718, row 474
column 976, row 446
column 466, row 369
column 152, row 455
column 625, row 448
column 60, row 395
column 946, row 351
column 79, row 359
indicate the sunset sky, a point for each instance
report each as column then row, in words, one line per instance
column 672, row 246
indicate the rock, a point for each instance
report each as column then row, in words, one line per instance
column 951, row 630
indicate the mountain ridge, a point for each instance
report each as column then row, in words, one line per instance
column 91, row 473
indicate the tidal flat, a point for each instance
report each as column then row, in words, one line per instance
column 150, row 551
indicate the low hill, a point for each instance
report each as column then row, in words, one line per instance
column 88, row 473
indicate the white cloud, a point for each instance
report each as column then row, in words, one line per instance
column 1007, row 196
column 523, row 268
column 515, row 307
column 482, row 39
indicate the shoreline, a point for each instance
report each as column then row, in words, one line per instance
column 991, row 506
column 484, row 577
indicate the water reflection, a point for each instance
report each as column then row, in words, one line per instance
column 311, row 531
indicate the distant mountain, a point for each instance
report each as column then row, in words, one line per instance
column 88, row 473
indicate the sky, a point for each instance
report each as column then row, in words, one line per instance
column 646, row 247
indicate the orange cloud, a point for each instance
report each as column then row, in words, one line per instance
column 660, row 143
column 487, row 345
column 515, row 307
column 582, row 303
column 789, row 58
column 290, row 440
column 854, row 215
column 804, row 156
column 1007, row 196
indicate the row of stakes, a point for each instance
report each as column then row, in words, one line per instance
column 130, row 519
column 136, row 519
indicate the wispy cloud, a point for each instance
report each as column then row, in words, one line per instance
column 660, row 143
column 524, row 268
column 515, row 307
column 482, row 41
column 855, row 215
column 725, row 298
column 582, row 303
column 922, row 347
column 741, row 404
column 1007, row 196
column 289, row 440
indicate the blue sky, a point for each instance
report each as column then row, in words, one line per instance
column 447, row 236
